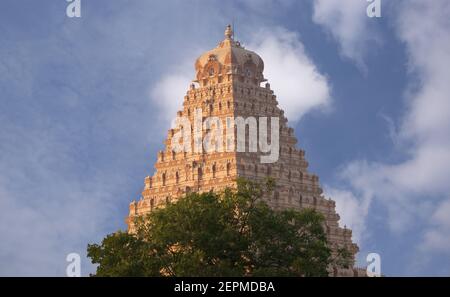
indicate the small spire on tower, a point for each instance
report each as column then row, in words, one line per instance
column 229, row 32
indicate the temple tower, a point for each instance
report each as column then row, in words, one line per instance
column 230, row 83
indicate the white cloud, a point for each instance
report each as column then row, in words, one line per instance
column 47, row 209
column 347, row 22
column 352, row 211
column 438, row 236
column 298, row 84
column 168, row 93
column 412, row 190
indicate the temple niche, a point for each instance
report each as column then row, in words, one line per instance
column 229, row 82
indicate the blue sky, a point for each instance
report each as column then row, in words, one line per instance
column 85, row 104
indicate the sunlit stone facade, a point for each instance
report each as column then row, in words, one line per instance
column 230, row 83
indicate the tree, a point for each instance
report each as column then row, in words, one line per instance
column 233, row 233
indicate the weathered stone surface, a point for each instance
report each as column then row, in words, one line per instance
column 229, row 79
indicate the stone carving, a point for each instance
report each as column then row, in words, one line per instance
column 229, row 79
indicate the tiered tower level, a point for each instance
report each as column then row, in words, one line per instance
column 228, row 84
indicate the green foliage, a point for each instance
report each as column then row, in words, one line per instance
column 233, row 233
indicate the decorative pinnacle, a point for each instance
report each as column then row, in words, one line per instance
column 229, row 32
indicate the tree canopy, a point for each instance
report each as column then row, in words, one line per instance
column 233, row 233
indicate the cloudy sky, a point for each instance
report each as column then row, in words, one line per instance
column 85, row 103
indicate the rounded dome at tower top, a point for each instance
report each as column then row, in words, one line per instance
column 229, row 60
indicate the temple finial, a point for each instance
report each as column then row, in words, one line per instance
column 229, row 32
